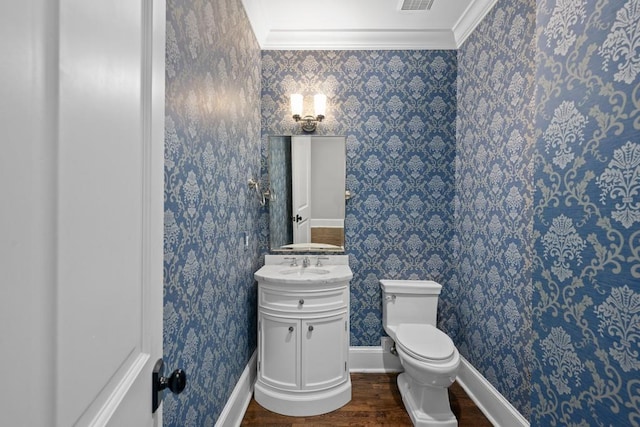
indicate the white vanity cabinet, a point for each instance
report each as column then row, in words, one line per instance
column 303, row 346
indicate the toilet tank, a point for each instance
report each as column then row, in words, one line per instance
column 409, row 301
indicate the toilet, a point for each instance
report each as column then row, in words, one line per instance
column 428, row 356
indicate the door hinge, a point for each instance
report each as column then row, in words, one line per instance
column 259, row 365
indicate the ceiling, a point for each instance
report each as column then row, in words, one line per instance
column 363, row 24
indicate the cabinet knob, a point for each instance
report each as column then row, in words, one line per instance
column 290, row 328
column 310, row 328
column 301, row 301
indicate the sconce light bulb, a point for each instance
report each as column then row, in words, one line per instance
column 296, row 104
column 320, row 104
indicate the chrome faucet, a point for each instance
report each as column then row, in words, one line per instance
column 306, row 262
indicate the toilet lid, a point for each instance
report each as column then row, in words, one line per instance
column 424, row 342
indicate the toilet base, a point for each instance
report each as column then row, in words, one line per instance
column 427, row 406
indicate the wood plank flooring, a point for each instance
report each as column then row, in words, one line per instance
column 376, row 401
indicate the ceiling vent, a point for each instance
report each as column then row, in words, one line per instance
column 415, row 4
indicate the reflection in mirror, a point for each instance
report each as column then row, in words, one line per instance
column 307, row 187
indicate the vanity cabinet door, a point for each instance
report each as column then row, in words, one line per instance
column 279, row 356
column 325, row 351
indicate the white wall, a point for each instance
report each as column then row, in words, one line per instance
column 327, row 178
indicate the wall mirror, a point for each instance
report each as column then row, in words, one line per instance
column 307, row 193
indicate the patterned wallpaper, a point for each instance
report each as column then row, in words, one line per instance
column 528, row 213
column 586, row 276
column 280, row 185
column 494, row 200
column 397, row 110
column 212, row 148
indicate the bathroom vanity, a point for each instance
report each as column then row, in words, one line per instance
column 303, row 334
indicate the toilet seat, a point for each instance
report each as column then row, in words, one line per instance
column 425, row 342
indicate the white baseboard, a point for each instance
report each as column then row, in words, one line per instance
column 493, row 404
column 374, row 360
column 234, row 410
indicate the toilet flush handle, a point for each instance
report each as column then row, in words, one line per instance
column 390, row 298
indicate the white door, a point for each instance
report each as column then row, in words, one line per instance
column 110, row 210
column 87, row 131
column 301, row 194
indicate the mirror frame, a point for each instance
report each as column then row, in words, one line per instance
column 299, row 247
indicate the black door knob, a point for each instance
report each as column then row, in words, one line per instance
column 176, row 382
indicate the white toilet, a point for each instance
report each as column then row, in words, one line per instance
column 428, row 356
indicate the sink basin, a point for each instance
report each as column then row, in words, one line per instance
column 301, row 271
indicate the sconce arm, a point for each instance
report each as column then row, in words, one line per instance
column 262, row 196
column 309, row 123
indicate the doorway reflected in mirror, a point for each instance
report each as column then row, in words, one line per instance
column 307, row 186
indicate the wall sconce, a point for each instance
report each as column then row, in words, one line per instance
column 309, row 123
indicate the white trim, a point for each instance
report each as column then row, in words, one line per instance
column 236, row 406
column 271, row 36
column 326, row 222
column 489, row 400
column 493, row 404
column 470, row 20
column 372, row 360
column 358, row 39
column 114, row 400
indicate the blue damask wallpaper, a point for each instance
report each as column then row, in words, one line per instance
column 586, row 261
column 280, row 187
column 212, row 148
column 509, row 171
column 494, row 200
column 397, row 110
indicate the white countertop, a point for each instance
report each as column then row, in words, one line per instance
column 278, row 270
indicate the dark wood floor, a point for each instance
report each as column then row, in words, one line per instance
column 376, row 401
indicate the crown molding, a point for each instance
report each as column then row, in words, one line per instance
column 471, row 19
column 359, row 40
column 365, row 39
